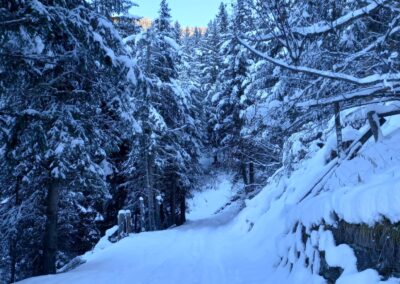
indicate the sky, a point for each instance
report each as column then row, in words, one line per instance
column 187, row 12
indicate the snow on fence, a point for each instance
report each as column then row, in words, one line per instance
column 124, row 223
column 375, row 120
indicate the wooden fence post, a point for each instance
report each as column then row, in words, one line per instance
column 373, row 121
column 121, row 224
column 338, row 126
column 142, row 217
column 128, row 222
column 124, row 223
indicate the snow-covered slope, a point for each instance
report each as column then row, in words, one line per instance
column 364, row 190
column 277, row 238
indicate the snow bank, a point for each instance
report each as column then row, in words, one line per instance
column 363, row 190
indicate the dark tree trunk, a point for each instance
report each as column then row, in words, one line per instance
column 157, row 214
column 243, row 171
column 13, row 256
column 173, row 202
column 163, row 219
column 251, row 175
column 14, row 240
column 50, row 235
column 142, row 215
column 150, row 191
column 182, row 205
column 136, row 216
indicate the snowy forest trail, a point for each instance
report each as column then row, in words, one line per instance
column 204, row 250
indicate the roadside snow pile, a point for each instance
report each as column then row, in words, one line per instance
column 101, row 245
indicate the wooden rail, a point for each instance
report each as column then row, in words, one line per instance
column 376, row 120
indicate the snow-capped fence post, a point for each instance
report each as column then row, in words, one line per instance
column 157, row 215
column 121, row 224
column 142, row 219
column 124, row 223
column 373, row 121
column 128, row 222
column 338, row 126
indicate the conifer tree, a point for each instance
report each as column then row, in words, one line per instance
column 168, row 152
column 66, row 102
column 230, row 99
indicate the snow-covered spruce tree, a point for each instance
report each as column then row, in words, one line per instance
column 212, row 63
column 119, row 13
column 127, row 25
column 269, row 115
column 210, row 57
column 230, row 99
column 111, row 8
column 64, row 107
column 190, row 80
column 222, row 19
column 177, row 34
column 266, row 123
column 165, row 159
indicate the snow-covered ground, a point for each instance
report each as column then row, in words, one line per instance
column 262, row 243
column 214, row 194
column 205, row 250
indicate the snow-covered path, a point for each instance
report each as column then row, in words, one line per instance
column 205, row 250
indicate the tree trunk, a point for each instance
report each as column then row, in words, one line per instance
column 215, row 159
column 50, row 235
column 244, row 176
column 173, row 202
column 244, row 173
column 338, row 126
column 14, row 239
column 149, row 162
column 163, row 219
column 142, row 219
column 13, row 256
column 136, row 216
column 149, row 189
column 157, row 212
column 251, row 175
column 182, row 216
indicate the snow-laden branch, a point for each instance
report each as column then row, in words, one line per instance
column 357, row 94
column 325, row 27
column 13, row 22
column 372, row 79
